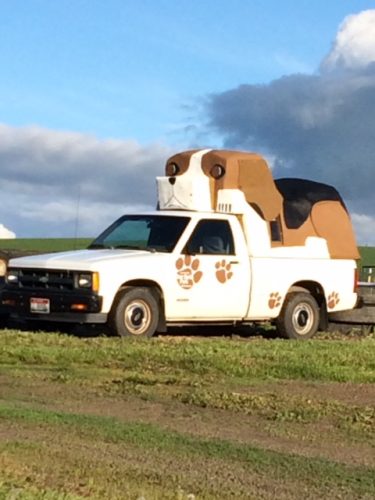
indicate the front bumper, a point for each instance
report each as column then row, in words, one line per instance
column 61, row 306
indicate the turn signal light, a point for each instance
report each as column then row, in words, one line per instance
column 95, row 282
column 78, row 307
column 8, row 302
column 356, row 280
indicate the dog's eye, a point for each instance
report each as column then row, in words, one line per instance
column 172, row 169
column 217, row 171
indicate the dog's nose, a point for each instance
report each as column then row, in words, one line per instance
column 172, row 180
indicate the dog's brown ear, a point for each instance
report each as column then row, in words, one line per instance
column 248, row 172
column 256, row 182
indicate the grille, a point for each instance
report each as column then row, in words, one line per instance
column 44, row 279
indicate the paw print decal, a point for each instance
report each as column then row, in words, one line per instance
column 274, row 300
column 188, row 271
column 332, row 300
column 223, row 272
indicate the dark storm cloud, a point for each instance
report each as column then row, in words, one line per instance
column 318, row 126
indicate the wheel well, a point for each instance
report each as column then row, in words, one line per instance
column 317, row 292
column 158, row 293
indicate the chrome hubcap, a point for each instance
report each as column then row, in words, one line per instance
column 303, row 318
column 137, row 317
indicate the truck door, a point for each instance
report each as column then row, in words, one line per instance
column 212, row 275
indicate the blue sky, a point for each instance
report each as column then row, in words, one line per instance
column 120, row 68
column 94, row 95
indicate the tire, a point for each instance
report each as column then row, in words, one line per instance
column 299, row 317
column 4, row 320
column 135, row 313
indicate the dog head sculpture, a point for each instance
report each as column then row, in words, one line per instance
column 185, row 185
column 194, row 178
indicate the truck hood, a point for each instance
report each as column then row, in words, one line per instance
column 79, row 260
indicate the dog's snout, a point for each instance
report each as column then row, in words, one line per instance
column 172, row 180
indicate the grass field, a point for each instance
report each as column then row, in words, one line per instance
column 186, row 417
column 368, row 256
column 45, row 244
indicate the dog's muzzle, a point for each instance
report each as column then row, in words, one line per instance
column 172, row 180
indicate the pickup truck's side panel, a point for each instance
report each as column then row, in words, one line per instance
column 273, row 278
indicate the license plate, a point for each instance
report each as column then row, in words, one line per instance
column 39, row 305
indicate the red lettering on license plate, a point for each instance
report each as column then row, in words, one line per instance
column 39, row 305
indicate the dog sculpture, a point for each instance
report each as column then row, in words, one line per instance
column 295, row 209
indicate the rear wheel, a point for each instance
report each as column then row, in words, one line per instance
column 299, row 318
column 135, row 313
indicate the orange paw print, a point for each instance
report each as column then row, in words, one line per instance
column 274, row 300
column 223, row 272
column 333, row 300
column 187, row 271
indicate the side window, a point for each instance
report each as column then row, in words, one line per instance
column 211, row 237
column 275, row 230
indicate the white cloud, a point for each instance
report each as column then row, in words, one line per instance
column 365, row 228
column 48, row 177
column 354, row 46
column 6, row 233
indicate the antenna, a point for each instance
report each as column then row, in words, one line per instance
column 77, row 217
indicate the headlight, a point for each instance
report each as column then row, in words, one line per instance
column 88, row 281
column 85, row 280
column 3, row 267
column 12, row 276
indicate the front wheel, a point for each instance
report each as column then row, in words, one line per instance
column 299, row 317
column 135, row 313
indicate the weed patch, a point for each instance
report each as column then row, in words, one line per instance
column 285, row 409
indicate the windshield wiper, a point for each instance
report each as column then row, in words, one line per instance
column 95, row 246
column 134, row 247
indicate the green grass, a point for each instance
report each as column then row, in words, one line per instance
column 110, row 418
column 339, row 361
column 44, row 244
column 10, row 490
column 367, row 256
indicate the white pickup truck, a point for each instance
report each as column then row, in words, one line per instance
column 227, row 244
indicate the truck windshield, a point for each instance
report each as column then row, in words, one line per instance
column 156, row 233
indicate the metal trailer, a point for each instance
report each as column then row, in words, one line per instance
column 363, row 316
